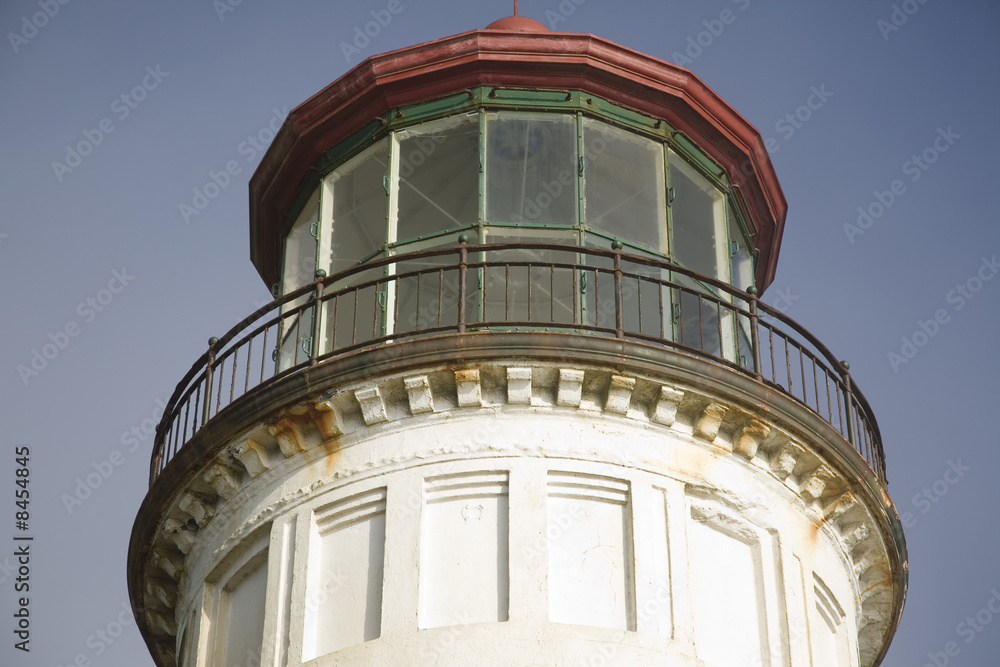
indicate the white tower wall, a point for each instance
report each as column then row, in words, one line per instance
column 533, row 514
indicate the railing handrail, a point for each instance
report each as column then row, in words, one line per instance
column 856, row 411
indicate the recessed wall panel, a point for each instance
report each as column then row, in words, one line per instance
column 726, row 593
column 243, row 609
column 590, row 551
column 344, row 591
column 464, row 573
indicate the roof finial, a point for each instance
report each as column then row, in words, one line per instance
column 515, row 8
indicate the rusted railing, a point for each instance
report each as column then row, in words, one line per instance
column 533, row 286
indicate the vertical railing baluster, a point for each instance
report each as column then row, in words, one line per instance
column 659, row 298
column 246, row 380
column 718, row 326
column 680, row 312
column 528, row 269
column 395, row 311
column 317, row 317
column 333, row 331
column 638, row 300
column 175, row 429
column 232, row 382
column 506, row 292
column 187, row 413
column 770, row 341
column 263, row 355
column 597, row 297
column 829, row 401
column 440, row 295
column 552, row 292
column 416, row 307
column 378, row 305
column 701, row 324
column 840, row 408
column 849, row 401
column 619, row 306
column 206, row 408
column 463, row 270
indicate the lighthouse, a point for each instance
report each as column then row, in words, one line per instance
column 517, row 400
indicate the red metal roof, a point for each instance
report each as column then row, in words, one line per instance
column 513, row 52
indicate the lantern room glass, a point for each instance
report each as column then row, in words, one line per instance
column 531, row 168
column 518, row 175
column 359, row 205
column 438, row 177
column 624, row 191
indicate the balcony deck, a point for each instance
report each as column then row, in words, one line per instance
column 510, row 291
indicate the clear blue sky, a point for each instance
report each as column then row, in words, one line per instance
column 100, row 249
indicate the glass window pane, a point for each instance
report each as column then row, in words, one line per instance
column 740, row 258
column 624, row 185
column 741, row 262
column 300, row 248
column 299, row 270
column 698, row 217
column 531, row 168
column 359, row 201
column 438, row 177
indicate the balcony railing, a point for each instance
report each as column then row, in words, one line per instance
column 518, row 286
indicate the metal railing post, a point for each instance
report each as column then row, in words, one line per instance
column 849, row 402
column 616, row 246
column 463, row 270
column 154, row 463
column 317, row 318
column 209, row 373
column 754, row 334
